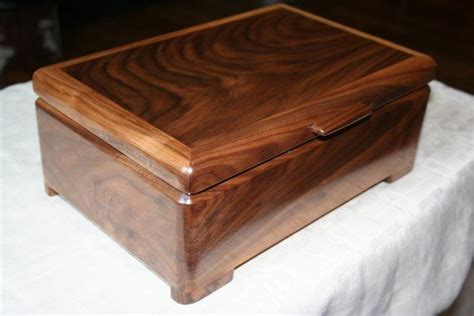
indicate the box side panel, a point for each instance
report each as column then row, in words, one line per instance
column 234, row 221
column 138, row 213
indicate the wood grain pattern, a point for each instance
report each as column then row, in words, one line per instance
column 199, row 149
column 279, row 197
column 138, row 210
column 240, row 72
column 199, row 106
column 196, row 241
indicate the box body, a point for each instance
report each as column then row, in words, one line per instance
column 199, row 149
column 195, row 241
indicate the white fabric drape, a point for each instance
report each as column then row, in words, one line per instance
column 398, row 249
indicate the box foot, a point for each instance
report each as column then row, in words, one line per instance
column 399, row 174
column 189, row 297
column 49, row 190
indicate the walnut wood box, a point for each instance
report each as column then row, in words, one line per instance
column 199, row 149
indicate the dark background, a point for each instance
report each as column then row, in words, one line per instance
column 36, row 33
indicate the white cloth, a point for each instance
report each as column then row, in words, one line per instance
column 399, row 249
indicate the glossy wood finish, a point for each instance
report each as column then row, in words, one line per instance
column 194, row 108
column 199, row 149
column 135, row 208
column 196, row 241
column 201, row 85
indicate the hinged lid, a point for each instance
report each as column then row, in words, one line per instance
column 200, row 105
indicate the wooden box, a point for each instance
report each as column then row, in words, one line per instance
column 199, row 149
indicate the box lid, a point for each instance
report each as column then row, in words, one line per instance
column 198, row 106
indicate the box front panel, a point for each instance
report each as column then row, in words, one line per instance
column 232, row 222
